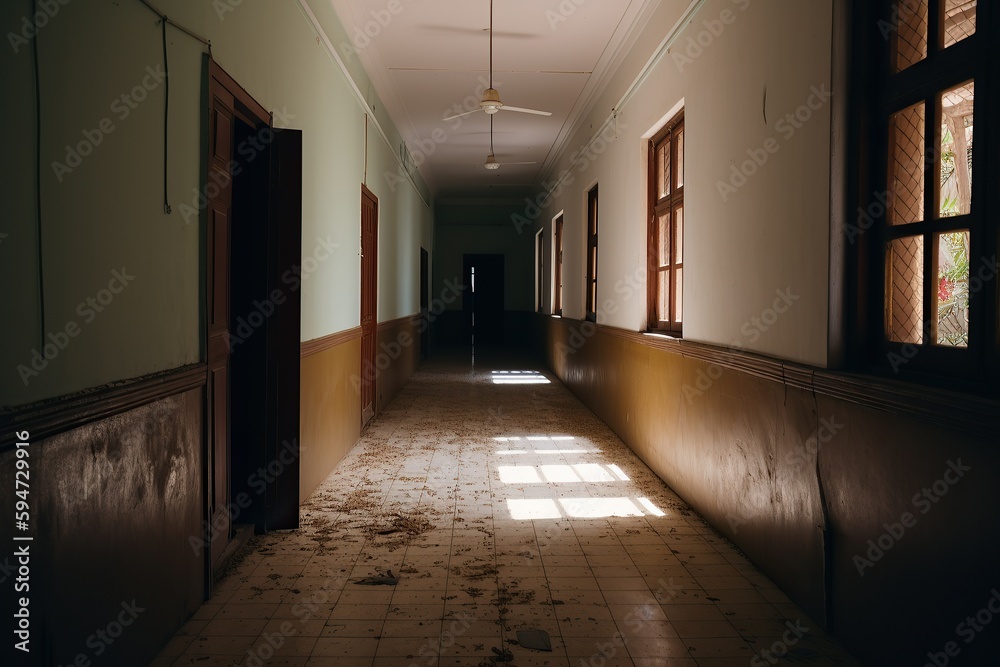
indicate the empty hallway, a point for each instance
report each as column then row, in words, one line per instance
column 501, row 504
column 744, row 254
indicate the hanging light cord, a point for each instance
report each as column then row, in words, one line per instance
column 491, row 43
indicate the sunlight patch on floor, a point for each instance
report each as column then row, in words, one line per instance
column 519, row 377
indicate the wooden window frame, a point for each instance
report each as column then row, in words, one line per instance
column 657, row 206
column 540, row 271
column 877, row 93
column 593, row 208
column 557, row 265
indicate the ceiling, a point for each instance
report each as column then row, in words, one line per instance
column 430, row 59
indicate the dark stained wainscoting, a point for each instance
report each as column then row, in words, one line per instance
column 805, row 470
column 397, row 355
column 117, row 509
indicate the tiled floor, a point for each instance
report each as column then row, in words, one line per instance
column 502, row 504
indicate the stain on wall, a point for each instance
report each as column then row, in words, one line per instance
column 117, row 510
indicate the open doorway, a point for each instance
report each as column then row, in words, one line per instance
column 253, row 237
column 483, row 299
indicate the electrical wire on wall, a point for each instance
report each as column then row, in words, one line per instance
column 38, row 182
column 164, row 21
column 166, row 115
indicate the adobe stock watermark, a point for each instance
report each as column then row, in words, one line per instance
column 902, row 10
column 968, row 629
column 627, row 286
column 292, row 280
column 779, row 649
column 566, row 9
column 45, row 11
column 252, row 148
column 786, row 127
column 580, row 160
column 985, row 273
column 121, row 108
column 103, row 637
column 828, row 429
column 257, row 481
column 923, row 501
column 87, row 310
column 364, row 35
column 421, row 149
column 699, row 43
column 751, row 330
column 393, row 350
column 431, row 651
column 274, row 641
column 633, row 621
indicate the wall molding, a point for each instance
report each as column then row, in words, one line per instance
column 398, row 322
column 963, row 412
column 53, row 416
column 317, row 345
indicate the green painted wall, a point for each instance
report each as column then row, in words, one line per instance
column 103, row 212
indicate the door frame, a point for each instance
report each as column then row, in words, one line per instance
column 369, row 294
column 227, row 101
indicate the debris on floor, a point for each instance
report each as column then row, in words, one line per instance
column 386, row 579
column 534, row 639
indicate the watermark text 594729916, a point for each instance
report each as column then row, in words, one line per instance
column 22, row 546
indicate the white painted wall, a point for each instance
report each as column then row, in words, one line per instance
column 770, row 234
column 107, row 213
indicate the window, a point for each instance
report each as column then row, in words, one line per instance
column 666, row 227
column 540, row 270
column 931, row 252
column 557, row 280
column 592, row 254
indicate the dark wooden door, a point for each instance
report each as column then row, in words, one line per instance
column 284, row 329
column 219, row 209
column 369, row 301
column 425, row 324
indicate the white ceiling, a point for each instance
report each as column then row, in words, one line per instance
column 431, row 55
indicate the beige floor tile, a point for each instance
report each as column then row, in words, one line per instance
column 640, row 591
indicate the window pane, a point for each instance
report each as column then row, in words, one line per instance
column 679, row 234
column 663, row 297
column 664, row 236
column 959, row 20
column 909, row 39
column 956, row 150
column 663, row 169
column 906, row 165
column 679, row 165
column 952, row 298
column 678, row 292
column 904, row 291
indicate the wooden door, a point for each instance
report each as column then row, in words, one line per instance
column 425, row 324
column 369, row 301
column 283, row 357
column 219, row 209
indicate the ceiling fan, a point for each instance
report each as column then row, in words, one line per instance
column 491, row 160
column 491, row 98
